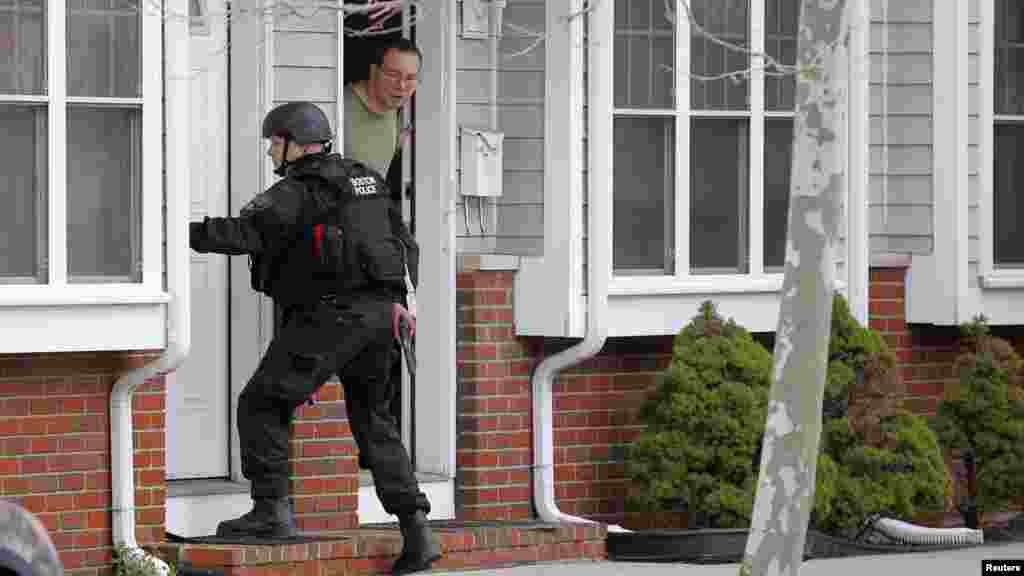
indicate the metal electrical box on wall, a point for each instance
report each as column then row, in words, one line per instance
column 481, row 163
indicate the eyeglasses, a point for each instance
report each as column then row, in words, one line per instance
column 397, row 77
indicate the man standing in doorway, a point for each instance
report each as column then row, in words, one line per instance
column 373, row 135
column 372, row 132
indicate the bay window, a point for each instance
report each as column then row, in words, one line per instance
column 81, row 164
column 79, row 108
column 701, row 161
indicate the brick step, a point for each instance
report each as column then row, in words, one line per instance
column 373, row 549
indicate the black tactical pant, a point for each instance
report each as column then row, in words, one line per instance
column 353, row 340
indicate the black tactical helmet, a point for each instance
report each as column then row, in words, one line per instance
column 300, row 122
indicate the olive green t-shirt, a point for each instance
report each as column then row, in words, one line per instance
column 370, row 137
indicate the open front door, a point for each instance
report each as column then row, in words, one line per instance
column 197, row 393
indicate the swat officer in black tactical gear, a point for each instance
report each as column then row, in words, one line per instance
column 325, row 244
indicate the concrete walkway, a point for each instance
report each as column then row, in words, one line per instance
column 964, row 562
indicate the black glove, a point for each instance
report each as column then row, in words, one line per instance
column 196, row 235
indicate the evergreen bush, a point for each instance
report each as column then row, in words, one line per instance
column 985, row 414
column 874, row 457
column 703, row 424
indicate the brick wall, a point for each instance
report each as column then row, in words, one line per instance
column 493, row 448
column 596, row 403
column 325, row 472
column 925, row 353
column 594, row 411
column 55, row 450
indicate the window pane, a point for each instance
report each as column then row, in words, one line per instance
column 23, row 171
column 643, row 196
column 1008, row 205
column 727, row 20
column 22, row 47
column 778, row 147
column 781, row 20
column 644, row 55
column 103, row 194
column 719, row 195
column 1009, row 72
column 104, row 53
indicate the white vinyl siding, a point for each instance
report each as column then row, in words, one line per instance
column 900, row 204
column 513, row 223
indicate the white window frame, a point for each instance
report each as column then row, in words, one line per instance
column 59, row 316
column 992, row 276
column 683, row 280
column 550, row 293
column 639, row 304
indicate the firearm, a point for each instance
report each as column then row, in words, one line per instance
column 408, row 344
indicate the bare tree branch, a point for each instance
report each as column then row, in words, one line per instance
column 377, row 11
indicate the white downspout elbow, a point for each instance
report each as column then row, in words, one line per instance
column 599, row 249
column 177, row 89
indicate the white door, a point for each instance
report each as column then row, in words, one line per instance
column 197, row 394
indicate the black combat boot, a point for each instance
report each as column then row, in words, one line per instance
column 269, row 518
column 419, row 547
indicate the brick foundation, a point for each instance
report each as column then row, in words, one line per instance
column 55, row 450
column 493, row 448
column 55, row 453
column 596, row 403
column 925, row 353
column 325, row 472
column 373, row 551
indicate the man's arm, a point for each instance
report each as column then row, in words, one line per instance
column 257, row 228
column 227, row 236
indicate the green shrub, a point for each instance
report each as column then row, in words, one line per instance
column 874, row 457
column 985, row 414
column 703, row 424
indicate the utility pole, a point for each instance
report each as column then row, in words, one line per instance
column 785, row 487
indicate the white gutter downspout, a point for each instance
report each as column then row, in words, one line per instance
column 177, row 88
column 599, row 267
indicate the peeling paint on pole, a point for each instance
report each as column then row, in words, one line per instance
column 785, row 488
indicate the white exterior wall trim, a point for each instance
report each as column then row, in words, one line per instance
column 547, row 288
column 1001, row 291
column 539, row 308
column 661, row 305
column 991, row 277
column 858, row 257
column 434, row 446
column 937, row 286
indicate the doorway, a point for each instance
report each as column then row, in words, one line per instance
column 197, row 392
column 358, row 51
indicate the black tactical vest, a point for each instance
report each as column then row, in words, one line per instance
column 350, row 238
